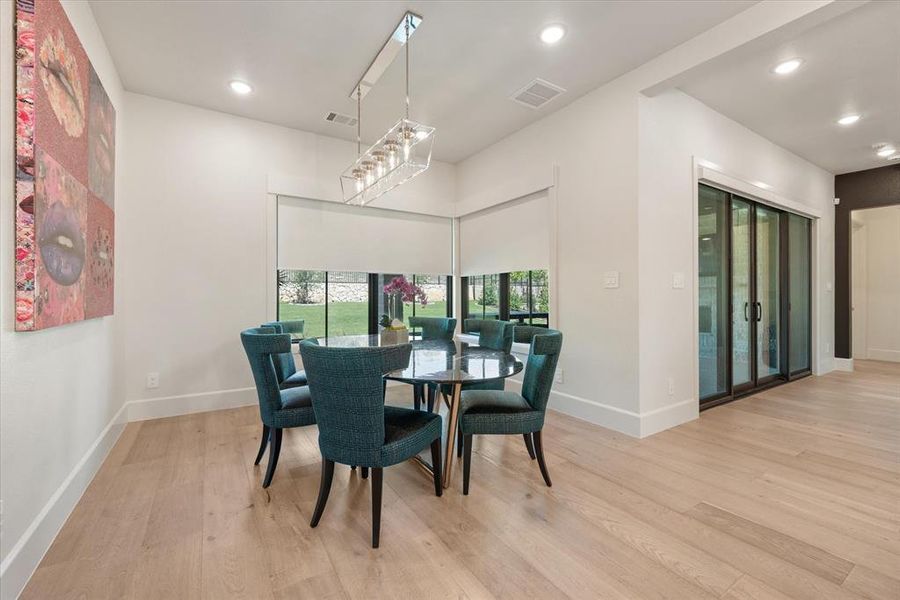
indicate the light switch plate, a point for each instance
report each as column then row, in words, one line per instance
column 611, row 279
column 678, row 280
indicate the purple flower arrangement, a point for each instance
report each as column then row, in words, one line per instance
column 401, row 290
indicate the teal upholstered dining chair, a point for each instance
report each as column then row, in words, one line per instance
column 433, row 328
column 285, row 367
column 355, row 427
column 522, row 334
column 493, row 412
column 279, row 409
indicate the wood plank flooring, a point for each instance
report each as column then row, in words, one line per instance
column 793, row 493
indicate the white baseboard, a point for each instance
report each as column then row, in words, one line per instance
column 185, row 404
column 639, row 425
column 843, row 364
column 669, row 416
column 883, row 354
column 26, row 554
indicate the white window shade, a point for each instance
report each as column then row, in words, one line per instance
column 513, row 236
column 316, row 235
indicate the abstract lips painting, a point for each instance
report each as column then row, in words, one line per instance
column 65, row 174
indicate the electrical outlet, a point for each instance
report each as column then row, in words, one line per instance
column 1, row 515
column 678, row 280
column 152, row 381
column 671, row 383
column 827, row 346
column 559, row 376
column 611, row 279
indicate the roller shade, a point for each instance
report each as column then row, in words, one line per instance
column 513, row 236
column 316, row 235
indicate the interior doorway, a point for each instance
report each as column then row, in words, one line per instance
column 875, row 283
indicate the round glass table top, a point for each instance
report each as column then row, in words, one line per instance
column 438, row 361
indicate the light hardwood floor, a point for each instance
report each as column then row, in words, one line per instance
column 792, row 493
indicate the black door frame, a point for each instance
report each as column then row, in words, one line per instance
column 753, row 310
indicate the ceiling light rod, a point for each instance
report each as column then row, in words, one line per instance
column 389, row 51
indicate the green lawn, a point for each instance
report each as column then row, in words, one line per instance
column 345, row 318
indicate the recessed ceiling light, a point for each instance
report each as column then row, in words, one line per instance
column 552, row 34
column 788, row 66
column 762, row 184
column 240, row 87
column 848, row 120
column 887, row 151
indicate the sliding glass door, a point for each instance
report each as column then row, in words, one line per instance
column 742, row 305
column 754, row 268
column 799, row 290
column 768, row 295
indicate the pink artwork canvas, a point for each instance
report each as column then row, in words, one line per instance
column 65, row 174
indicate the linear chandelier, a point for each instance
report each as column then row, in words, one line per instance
column 401, row 153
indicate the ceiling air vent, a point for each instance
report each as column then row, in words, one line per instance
column 537, row 93
column 340, row 119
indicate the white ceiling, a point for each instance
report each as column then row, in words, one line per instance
column 852, row 65
column 303, row 58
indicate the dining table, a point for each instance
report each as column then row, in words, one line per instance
column 444, row 364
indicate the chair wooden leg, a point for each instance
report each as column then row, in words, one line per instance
column 436, row 466
column 467, row 462
column 274, row 451
column 432, row 391
column 264, row 440
column 376, row 505
column 539, row 450
column 459, row 443
column 324, row 489
column 417, row 396
column 529, row 445
column 365, row 472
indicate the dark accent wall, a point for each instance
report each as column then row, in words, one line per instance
column 863, row 189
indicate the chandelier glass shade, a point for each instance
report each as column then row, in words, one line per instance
column 401, row 154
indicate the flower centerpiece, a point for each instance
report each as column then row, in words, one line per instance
column 399, row 291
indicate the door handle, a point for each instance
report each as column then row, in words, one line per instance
column 746, row 316
column 758, row 311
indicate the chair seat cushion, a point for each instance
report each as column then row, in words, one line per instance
column 296, row 409
column 406, row 433
column 296, row 380
column 497, row 412
column 496, row 384
column 297, row 397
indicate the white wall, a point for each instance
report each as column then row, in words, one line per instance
column 879, row 261
column 57, row 388
column 593, row 144
column 196, row 242
column 625, row 192
column 674, row 130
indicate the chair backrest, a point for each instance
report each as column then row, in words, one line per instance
column 434, row 328
column 543, row 357
column 284, row 363
column 496, row 335
column 522, row 334
column 474, row 325
column 295, row 327
column 261, row 344
column 345, row 385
